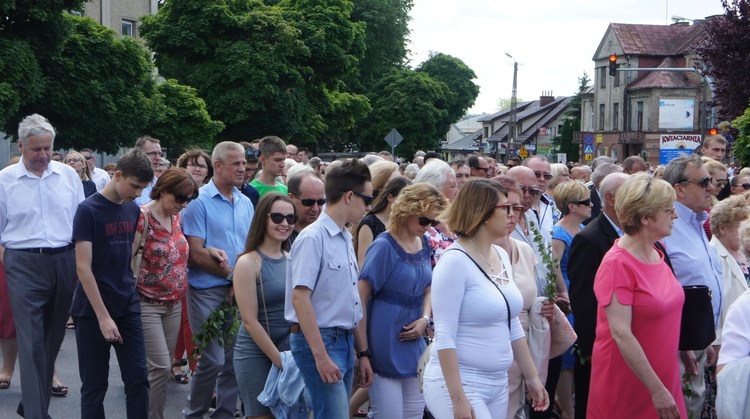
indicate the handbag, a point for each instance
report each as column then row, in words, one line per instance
column 562, row 335
column 135, row 263
column 697, row 330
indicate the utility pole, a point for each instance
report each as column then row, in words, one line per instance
column 513, row 110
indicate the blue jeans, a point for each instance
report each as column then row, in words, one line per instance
column 329, row 401
column 93, row 365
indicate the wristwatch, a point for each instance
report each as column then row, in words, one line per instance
column 364, row 353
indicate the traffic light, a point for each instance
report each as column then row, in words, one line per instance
column 713, row 131
column 613, row 65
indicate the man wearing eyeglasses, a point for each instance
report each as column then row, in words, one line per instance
column 543, row 206
column 308, row 194
column 152, row 147
column 693, row 260
column 292, row 152
column 99, row 176
column 478, row 166
column 322, row 298
column 218, row 219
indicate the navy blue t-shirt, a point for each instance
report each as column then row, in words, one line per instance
column 110, row 228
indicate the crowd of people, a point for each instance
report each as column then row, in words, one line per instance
column 426, row 287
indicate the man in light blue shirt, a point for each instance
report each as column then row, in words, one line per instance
column 216, row 226
column 152, row 147
column 322, row 299
column 695, row 262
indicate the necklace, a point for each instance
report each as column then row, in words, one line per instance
column 641, row 255
column 408, row 248
column 480, row 255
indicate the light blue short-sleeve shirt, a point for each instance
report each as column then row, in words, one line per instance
column 221, row 224
column 322, row 259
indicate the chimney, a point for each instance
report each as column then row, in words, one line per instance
column 546, row 98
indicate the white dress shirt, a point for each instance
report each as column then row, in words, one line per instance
column 100, row 178
column 38, row 211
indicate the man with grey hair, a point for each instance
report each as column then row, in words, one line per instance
column 38, row 200
column 152, row 147
column 440, row 175
column 309, row 196
column 596, row 197
column 586, row 253
column 694, row 261
column 543, row 207
column 601, row 160
column 218, row 219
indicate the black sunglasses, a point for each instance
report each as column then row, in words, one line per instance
column 531, row 190
column 547, row 176
column 277, row 218
column 702, row 182
column 585, row 202
column 367, row 198
column 181, row 199
column 482, row 168
column 308, row 202
column 745, row 186
column 424, row 221
column 88, row 157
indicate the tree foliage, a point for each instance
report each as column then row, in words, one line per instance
column 724, row 53
column 459, row 79
column 741, row 146
column 572, row 123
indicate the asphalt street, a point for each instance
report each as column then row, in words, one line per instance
column 70, row 406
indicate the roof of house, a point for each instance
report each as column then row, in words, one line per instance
column 550, row 111
column 468, row 143
column 506, row 112
column 663, row 79
column 656, row 40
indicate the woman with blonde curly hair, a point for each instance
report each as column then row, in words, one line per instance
column 394, row 286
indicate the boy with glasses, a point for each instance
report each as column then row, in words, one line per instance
column 322, row 299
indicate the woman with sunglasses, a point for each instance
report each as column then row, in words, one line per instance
column 719, row 181
column 162, row 278
column 394, row 286
column 259, row 288
column 573, row 199
column 476, row 305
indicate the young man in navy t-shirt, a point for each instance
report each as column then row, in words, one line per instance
column 106, row 309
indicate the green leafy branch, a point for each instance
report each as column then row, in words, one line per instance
column 549, row 261
column 215, row 329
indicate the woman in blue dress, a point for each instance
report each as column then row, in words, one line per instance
column 394, row 287
column 573, row 199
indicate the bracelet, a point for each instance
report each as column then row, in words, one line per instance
column 366, row 353
column 426, row 318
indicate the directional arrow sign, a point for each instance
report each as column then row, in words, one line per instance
column 393, row 138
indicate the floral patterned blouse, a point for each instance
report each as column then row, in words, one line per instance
column 438, row 242
column 162, row 278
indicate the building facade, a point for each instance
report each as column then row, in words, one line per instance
column 120, row 15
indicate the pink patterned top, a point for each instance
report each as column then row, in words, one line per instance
column 162, row 278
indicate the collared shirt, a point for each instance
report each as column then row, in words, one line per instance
column 38, row 211
column 617, row 229
column 222, row 224
column 323, row 260
column 695, row 262
column 100, row 178
column 145, row 197
column 541, row 270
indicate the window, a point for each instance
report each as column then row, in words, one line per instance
column 128, row 28
column 615, row 116
column 603, row 77
column 601, row 117
column 639, row 117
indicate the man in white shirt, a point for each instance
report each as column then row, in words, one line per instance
column 152, row 148
column 38, row 199
column 99, row 176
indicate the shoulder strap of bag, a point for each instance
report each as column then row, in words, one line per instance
column 488, row 278
column 138, row 256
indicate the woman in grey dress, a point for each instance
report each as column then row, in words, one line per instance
column 259, row 285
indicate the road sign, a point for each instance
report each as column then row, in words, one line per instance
column 588, row 149
column 523, row 153
column 588, row 139
column 588, row 157
column 599, row 138
column 393, row 139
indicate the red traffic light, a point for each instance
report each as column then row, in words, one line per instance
column 713, row 131
column 613, row 65
column 613, row 58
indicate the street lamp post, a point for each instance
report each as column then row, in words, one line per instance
column 512, row 123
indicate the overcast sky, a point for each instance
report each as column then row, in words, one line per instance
column 552, row 40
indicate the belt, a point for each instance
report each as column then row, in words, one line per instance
column 48, row 250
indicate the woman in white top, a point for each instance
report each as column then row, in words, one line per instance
column 475, row 306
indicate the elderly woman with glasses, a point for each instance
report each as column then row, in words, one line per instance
column 162, row 277
column 635, row 368
column 394, row 287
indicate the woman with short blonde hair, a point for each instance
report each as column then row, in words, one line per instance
column 76, row 160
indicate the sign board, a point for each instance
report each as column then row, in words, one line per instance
column 674, row 145
column 523, row 153
column 530, row 147
column 393, row 138
column 588, row 149
column 588, row 139
column 562, row 158
column 676, row 113
column 599, row 138
column 588, row 157
column 542, row 131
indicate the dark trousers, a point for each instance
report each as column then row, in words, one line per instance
column 553, row 375
column 40, row 288
column 582, row 381
column 93, row 365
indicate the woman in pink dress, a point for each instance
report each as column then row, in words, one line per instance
column 635, row 370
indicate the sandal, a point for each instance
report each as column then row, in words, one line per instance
column 179, row 378
column 70, row 326
column 59, row 391
column 179, row 362
column 4, row 383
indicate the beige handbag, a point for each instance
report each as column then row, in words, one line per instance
column 562, row 335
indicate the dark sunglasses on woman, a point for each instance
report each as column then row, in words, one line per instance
column 181, row 199
column 277, row 218
column 424, row 221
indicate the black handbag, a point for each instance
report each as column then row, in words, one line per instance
column 697, row 330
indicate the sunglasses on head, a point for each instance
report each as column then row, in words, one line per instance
column 308, row 202
column 424, row 221
column 277, row 218
column 538, row 174
column 181, row 199
column 702, row 182
column 252, row 154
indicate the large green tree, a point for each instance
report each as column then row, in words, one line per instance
column 458, row 77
